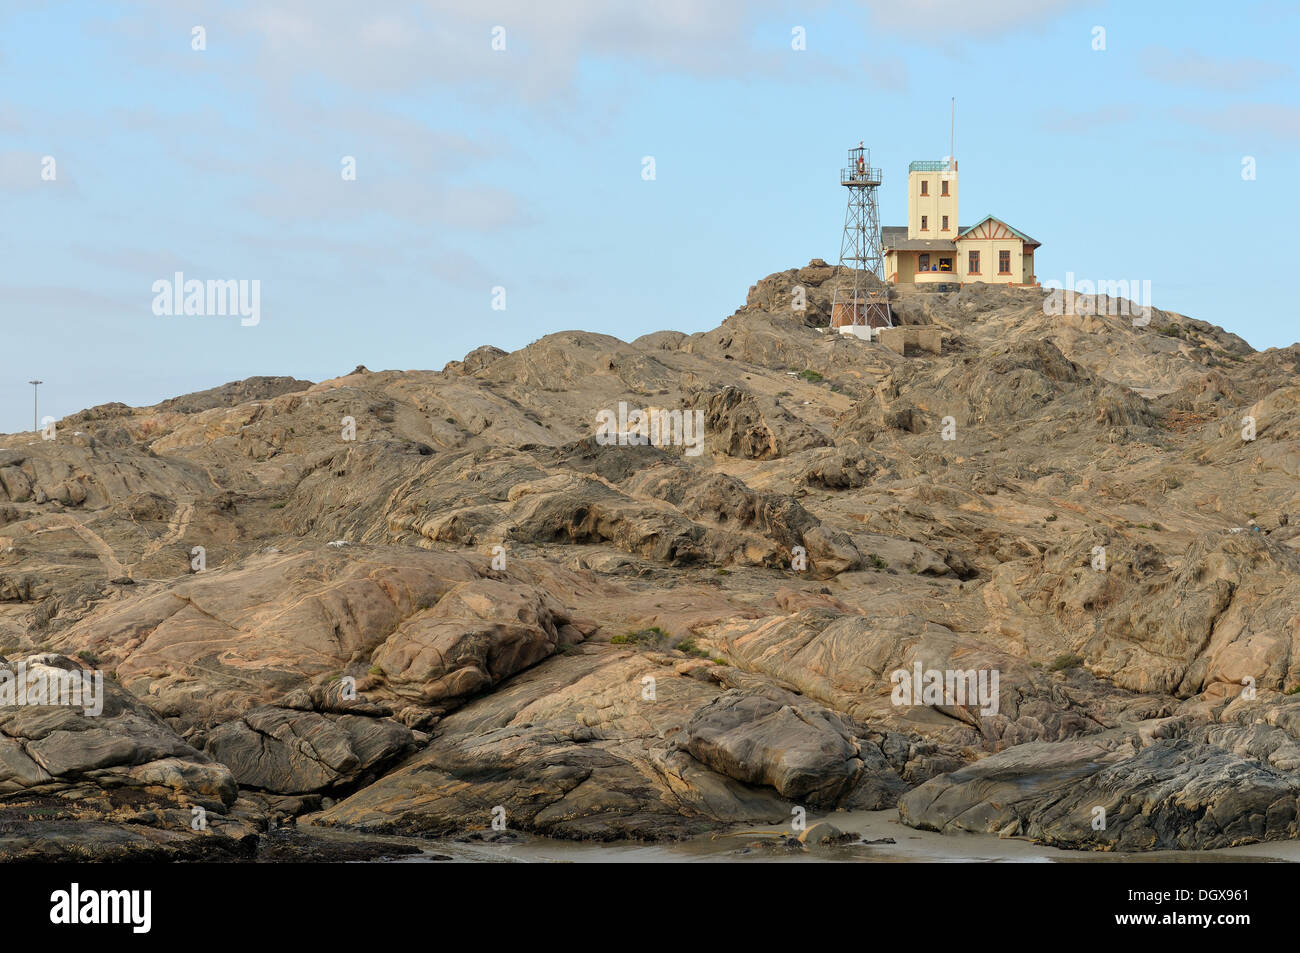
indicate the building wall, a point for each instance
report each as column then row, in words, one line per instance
column 935, row 205
column 902, row 263
column 988, row 249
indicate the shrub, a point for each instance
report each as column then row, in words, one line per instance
column 1062, row 662
column 690, row 648
column 652, row 636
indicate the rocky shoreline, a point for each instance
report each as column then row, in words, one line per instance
column 472, row 615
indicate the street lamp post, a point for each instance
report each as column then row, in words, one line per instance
column 35, row 418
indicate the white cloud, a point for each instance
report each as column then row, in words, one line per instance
column 938, row 20
column 1188, row 68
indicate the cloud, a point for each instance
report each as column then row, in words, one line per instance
column 10, row 121
column 1191, row 69
column 1089, row 121
column 41, row 302
column 1246, row 124
column 134, row 261
column 939, row 20
column 21, row 171
column 302, row 193
column 461, row 270
column 411, row 45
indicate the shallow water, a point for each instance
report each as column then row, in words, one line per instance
column 746, row 846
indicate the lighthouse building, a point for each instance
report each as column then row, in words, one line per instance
column 933, row 249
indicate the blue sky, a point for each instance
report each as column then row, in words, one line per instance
column 522, row 167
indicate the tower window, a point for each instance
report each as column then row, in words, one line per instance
column 925, row 187
column 945, row 223
column 925, row 223
column 1004, row 263
column 943, row 187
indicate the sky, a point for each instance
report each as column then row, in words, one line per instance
column 502, row 155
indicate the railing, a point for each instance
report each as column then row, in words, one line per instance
column 864, row 176
column 938, row 165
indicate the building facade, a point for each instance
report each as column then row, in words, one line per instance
column 934, row 249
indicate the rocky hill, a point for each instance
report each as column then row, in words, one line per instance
column 398, row 601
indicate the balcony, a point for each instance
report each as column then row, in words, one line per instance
column 863, row 176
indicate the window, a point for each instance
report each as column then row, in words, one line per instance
column 943, row 187
column 945, row 264
column 945, row 223
column 925, row 223
column 923, row 263
column 973, row 263
column 1004, row 263
column 925, row 187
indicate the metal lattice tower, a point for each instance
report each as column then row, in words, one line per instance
column 860, row 249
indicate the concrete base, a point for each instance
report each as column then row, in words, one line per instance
column 863, row 332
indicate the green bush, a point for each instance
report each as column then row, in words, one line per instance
column 1062, row 662
column 690, row 648
column 652, row 636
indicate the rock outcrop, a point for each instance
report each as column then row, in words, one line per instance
column 471, row 605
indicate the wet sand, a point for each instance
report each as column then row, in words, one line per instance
column 760, row 844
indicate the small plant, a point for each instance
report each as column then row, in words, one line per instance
column 376, row 670
column 1062, row 662
column 278, row 505
column 1293, row 690
column 875, row 562
column 89, row 657
column 1051, row 518
column 690, row 648
column 651, row 636
column 811, row 376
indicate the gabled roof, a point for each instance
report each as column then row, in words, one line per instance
column 961, row 232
